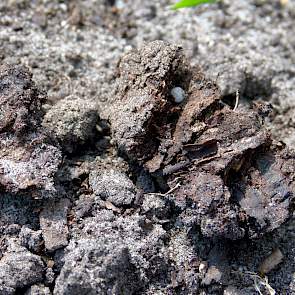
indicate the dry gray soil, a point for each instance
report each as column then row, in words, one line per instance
column 108, row 185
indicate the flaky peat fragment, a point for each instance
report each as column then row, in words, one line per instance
column 236, row 181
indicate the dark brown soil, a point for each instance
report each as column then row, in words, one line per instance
column 111, row 185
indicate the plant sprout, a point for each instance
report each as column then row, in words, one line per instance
column 190, row 3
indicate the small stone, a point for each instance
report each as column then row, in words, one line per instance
column 284, row 2
column 178, row 94
column 203, row 267
column 76, row 16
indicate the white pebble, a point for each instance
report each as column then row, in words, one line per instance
column 202, row 267
column 63, row 7
column 178, row 94
column 120, row 4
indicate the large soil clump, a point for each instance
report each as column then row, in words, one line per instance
column 28, row 162
column 227, row 171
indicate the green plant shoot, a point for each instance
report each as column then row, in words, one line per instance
column 190, row 3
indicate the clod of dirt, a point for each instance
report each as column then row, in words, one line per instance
column 49, row 275
column 147, row 76
column 53, row 223
column 155, row 207
column 113, row 186
column 17, row 210
column 72, row 122
column 31, row 239
column 229, row 173
column 211, row 204
column 28, row 163
column 28, row 167
column 108, row 261
column 118, row 250
column 20, row 100
column 185, row 261
column 271, row 262
column 20, row 268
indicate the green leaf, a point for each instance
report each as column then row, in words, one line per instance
column 190, row 3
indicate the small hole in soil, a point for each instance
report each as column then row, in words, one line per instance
column 230, row 100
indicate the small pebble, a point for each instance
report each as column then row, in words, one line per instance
column 202, row 267
column 63, row 7
column 120, row 4
column 178, row 94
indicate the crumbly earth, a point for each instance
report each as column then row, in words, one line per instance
column 28, row 162
column 79, row 215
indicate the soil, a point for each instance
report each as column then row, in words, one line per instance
column 111, row 185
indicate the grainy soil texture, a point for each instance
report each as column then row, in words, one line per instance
column 147, row 151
